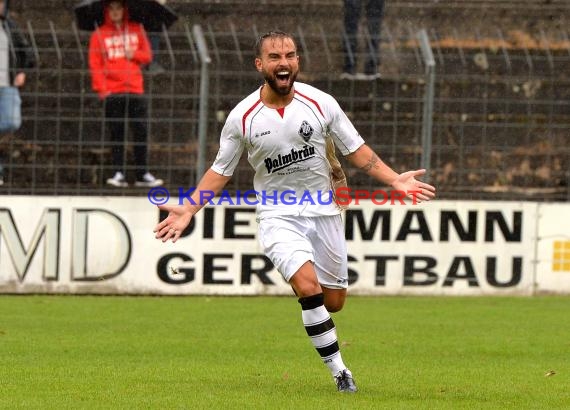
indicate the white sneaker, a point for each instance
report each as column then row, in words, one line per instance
column 148, row 180
column 118, row 180
column 366, row 77
column 374, row 76
column 347, row 76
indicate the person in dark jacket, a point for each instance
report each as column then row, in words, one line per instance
column 15, row 57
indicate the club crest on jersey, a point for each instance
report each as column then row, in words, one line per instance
column 306, row 131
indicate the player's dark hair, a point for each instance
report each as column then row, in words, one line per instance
column 271, row 34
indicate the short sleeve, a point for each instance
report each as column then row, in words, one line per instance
column 231, row 148
column 340, row 128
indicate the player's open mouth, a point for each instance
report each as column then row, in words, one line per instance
column 283, row 77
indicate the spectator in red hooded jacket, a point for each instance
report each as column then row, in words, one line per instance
column 117, row 51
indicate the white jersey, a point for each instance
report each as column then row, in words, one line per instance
column 287, row 150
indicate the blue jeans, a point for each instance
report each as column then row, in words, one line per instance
column 352, row 13
column 10, row 109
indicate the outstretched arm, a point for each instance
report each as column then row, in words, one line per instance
column 367, row 160
column 179, row 216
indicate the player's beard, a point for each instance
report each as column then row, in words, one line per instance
column 271, row 80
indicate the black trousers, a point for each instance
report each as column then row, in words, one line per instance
column 352, row 15
column 124, row 112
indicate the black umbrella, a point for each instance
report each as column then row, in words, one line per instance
column 152, row 14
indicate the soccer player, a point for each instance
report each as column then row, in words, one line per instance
column 285, row 126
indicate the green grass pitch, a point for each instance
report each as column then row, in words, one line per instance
column 252, row 353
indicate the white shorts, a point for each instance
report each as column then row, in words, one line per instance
column 291, row 241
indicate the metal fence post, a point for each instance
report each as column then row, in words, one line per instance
column 427, row 120
column 205, row 60
column 81, row 107
column 59, row 54
column 36, row 95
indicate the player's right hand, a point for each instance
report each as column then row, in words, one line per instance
column 171, row 227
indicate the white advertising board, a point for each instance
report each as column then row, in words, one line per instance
column 553, row 249
column 443, row 248
column 106, row 246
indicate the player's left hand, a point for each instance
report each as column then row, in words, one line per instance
column 408, row 183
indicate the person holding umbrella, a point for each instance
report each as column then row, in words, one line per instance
column 154, row 15
column 117, row 51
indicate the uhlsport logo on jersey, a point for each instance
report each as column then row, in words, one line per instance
column 282, row 161
column 306, row 131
